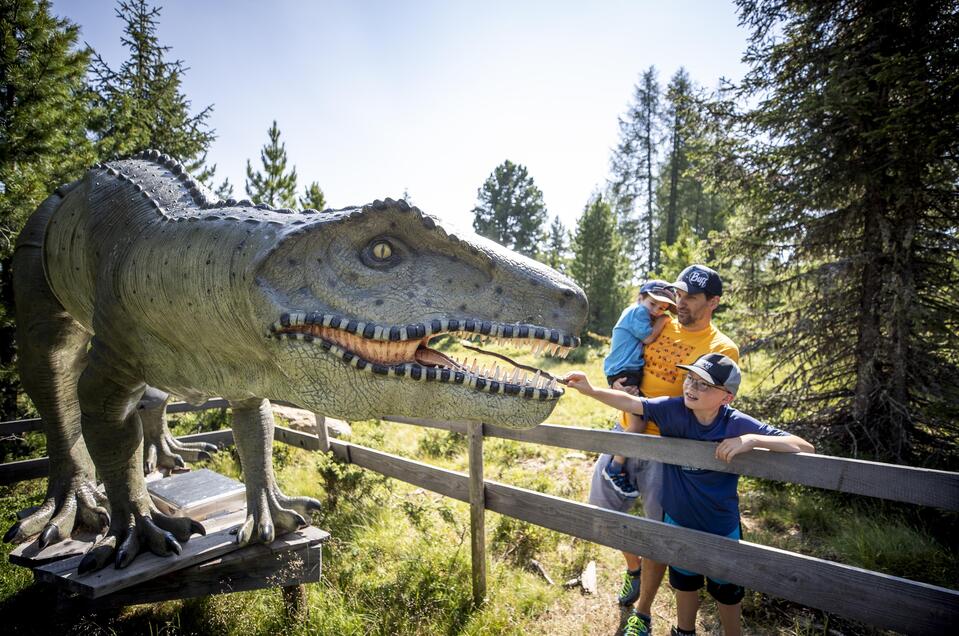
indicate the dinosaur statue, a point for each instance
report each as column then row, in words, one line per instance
column 137, row 275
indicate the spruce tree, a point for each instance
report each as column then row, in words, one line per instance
column 510, row 209
column 44, row 116
column 274, row 186
column 599, row 265
column 313, row 197
column 632, row 171
column 850, row 164
column 555, row 255
column 141, row 105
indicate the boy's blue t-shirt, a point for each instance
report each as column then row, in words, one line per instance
column 626, row 346
column 695, row 497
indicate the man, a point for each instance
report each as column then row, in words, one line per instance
column 691, row 334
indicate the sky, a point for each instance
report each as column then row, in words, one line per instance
column 377, row 98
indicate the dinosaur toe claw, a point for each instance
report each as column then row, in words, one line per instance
column 49, row 536
column 12, row 533
column 172, row 544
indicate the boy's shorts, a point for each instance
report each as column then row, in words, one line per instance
column 633, row 377
column 645, row 475
column 685, row 581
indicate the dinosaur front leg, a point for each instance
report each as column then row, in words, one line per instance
column 160, row 448
column 269, row 512
column 111, row 426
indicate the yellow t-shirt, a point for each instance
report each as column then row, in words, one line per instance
column 677, row 345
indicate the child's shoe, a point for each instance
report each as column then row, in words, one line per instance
column 637, row 625
column 630, row 590
column 618, row 478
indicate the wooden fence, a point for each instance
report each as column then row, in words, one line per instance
column 877, row 599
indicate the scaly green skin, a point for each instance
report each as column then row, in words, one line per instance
column 199, row 297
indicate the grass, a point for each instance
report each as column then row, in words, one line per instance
column 398, row 561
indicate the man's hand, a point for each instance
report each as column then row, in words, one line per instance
column 619, row 385
column 578, row 381
column 733, row 446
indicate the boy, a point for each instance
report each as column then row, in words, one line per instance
column 639, row 325
column 695, row 498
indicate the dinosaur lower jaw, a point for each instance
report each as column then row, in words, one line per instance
column 403, row 351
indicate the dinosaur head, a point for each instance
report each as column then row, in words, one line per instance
column 350, row 301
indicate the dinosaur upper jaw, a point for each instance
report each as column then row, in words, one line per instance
column 403, row 352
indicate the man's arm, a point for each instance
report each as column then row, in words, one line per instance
column 617, row 399
column 733, row 446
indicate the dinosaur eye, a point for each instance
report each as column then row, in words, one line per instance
column 382, row 250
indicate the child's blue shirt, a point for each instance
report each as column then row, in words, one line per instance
column 698, row 498
column 626, row 346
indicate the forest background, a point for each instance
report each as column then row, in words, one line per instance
column 822, row 185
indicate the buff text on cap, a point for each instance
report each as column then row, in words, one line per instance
column 699, row 279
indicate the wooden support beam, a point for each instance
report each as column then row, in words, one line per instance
column 477, row 513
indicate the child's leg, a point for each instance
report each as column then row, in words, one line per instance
column 687, row 604
column 729, row 599
column 731, row 618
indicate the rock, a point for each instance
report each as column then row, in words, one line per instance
column 303, row 420
column 574, row 456
column 297, row 419
column 588, row 578
column 338, row 428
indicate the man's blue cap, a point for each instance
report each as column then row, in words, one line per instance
column 716, row 369
column 699, row 279
column 659, row 290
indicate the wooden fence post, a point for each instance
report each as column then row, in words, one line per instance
column 477, row 513
column 321, row 432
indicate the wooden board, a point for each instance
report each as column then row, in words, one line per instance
column 921, row 486
column 149, row 566
column 30, row 555
column 250, row 568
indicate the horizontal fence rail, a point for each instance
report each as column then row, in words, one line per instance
column 920, row 486
column 874, row 598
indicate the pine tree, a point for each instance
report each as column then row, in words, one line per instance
column 688, row 192
column 313, row 197
column 274, row 186
column 555, row 255
column 599, row 265
column 679, row 111
column 850, row 161
column 44, row 115
column 510, row 209
column 632, row 171
column 141, row 105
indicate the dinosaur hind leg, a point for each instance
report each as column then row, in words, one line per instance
column 52, row 352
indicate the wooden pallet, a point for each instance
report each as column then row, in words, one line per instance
column 208, row 565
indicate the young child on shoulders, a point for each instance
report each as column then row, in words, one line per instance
column 639, row 325
column 701, row 499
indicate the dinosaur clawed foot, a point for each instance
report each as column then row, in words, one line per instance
column 169, row 452
column 154, row 532
column 79, row 503
column 270, row 514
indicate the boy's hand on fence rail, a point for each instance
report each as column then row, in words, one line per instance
column 578, row 380
column 730, row 447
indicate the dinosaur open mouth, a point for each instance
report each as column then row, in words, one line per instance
column 403, row 351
